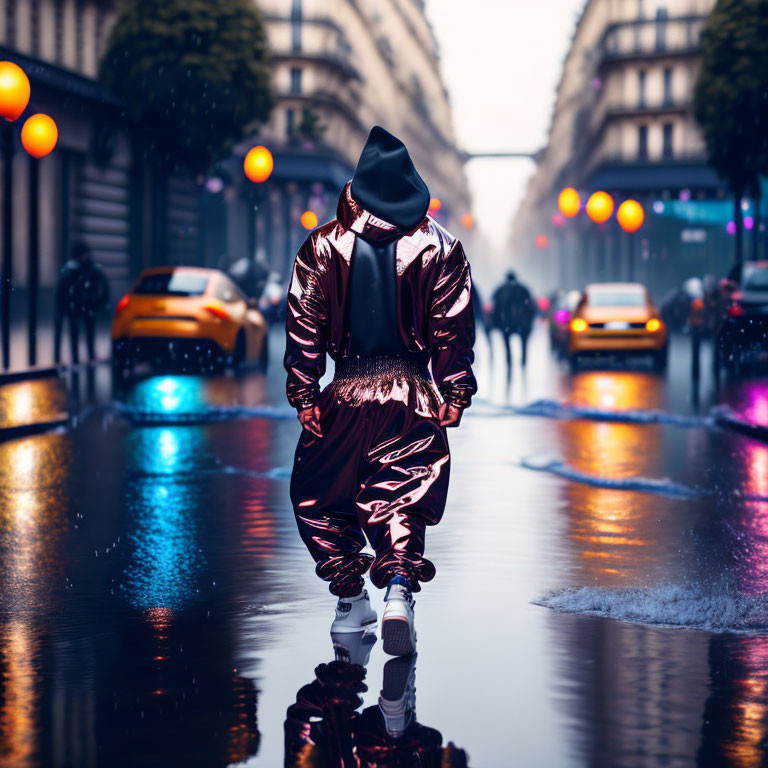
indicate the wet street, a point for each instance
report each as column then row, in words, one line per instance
column 599, row 601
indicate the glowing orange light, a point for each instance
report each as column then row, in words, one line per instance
column 468, row 221
column 653, row 325
column 542, row 242
column 39, row 135
column 569, row 202
column 578, row 325
column 435, row 204
column 258, row 164
column 14, row 90
column 600, row 207
column 309, row 219
column 630, row 216
column 698, row 304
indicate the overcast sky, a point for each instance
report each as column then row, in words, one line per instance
column 501, row 61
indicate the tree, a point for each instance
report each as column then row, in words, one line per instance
column 731, row 97
column 310, row 128
column 193, row 74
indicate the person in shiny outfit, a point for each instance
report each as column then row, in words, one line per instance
column 386, row 291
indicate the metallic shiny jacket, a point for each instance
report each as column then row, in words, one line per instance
column 435, row 312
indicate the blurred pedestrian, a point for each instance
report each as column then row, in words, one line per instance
column 81, row 292
column 513, row 313
column 386, row 291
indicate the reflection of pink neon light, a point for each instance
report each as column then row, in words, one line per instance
column 757, row 405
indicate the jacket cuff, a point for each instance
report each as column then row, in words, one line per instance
column 458, row 398
column 303, row 402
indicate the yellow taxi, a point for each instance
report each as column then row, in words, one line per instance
column 187, row 314
column 617, row 319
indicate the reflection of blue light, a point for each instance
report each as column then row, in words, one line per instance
column 165, row 559
column 169, row 394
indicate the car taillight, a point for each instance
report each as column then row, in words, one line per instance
column 122, row 304
column 735, row 310
column 579, row 325
column 653, row 325
column 216, row 311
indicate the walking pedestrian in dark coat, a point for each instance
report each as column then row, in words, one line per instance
column 81, row 292
column 513, row 313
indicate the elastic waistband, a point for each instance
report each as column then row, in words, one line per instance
column 380, row 366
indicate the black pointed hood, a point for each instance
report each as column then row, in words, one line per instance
column 387, row 184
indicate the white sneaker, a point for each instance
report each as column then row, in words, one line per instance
column 353, row 647
column 397, row 627
column 397, row 701
column 353, row 614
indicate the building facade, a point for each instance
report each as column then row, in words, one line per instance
column 338, row 68
column 623, row 122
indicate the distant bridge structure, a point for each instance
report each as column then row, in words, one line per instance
column 535, row 156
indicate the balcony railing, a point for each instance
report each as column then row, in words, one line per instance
column 647, row 38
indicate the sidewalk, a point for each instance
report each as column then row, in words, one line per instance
column 37, row 399
column 45, row 342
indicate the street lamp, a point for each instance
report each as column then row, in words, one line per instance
column 258, row 164
column 569, row 202
column 600, row 207
column 38, row 136
column 631, row 217
column 309, row 219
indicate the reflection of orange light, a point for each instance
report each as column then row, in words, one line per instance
column 309, row 219
column 542, row 242
column 160, row 618
column 569, row 202
column 468, row 221
column 258, row 164
column 39, row 135
column 435, row 204
column 578, row 325
column 19, row 711
column 630, row 216
column 600, row 207
column 612, row 530
column 14, row 90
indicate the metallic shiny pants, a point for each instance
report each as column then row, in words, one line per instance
column 380, row 471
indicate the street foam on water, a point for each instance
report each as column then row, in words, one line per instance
column 666, row 606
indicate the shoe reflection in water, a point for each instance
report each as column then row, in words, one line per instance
column 324, row 727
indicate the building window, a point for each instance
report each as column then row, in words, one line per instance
column 640, row 10
column 34, row 26
column 662, row 16
column 99, row 31
column 296, row 15
column 295, row 80
column 290, row 123
column 667, row 86
column 642, row 142
column 59, row 22
column 641, row 77
column 667, row 151
column 79, row 34
column 10, row 23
